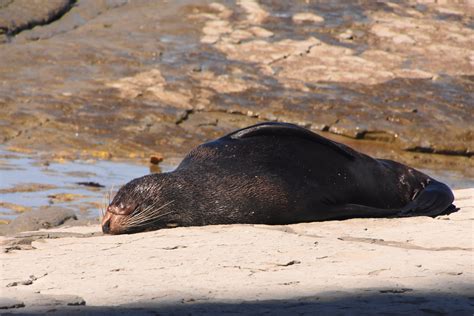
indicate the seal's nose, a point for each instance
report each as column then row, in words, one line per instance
column 106, row 227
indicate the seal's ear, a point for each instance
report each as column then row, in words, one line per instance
column 287, row 129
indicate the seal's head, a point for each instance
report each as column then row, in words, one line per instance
column 138, row 206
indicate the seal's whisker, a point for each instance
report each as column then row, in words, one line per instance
column 105, row 204
column 111, row 193
column 142, row 213
column 139, row 218
column 148, row 216
column 147, row 211
column 139, row 212
column 102, row 208
column 107, row 197
column 151, row 219
column 145, row 217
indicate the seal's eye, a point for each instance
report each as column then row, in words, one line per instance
column 121, row 208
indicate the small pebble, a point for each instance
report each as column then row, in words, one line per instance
column 156, row 159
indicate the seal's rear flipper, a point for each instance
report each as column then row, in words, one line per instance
column 435, row 199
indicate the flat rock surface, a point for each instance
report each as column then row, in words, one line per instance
column 416, row 265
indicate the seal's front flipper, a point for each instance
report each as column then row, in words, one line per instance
column 435, row 199
column 347, row 211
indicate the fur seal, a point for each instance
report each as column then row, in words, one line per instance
column 273, row 173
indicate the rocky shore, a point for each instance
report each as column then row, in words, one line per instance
column 84, row 83
column 118, row 79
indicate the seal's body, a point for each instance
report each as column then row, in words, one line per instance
column 274, row 173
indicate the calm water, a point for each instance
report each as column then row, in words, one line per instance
column 18, row 170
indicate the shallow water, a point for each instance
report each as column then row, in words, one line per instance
column 19, row 173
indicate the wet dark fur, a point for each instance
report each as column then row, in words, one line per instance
column 276, row 173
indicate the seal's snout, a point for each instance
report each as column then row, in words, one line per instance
column 114, row 220
column 106, row 227
column 106, row 222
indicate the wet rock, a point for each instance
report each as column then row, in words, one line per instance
column 91, row 184
column 15, row 207
column 64, row 197
column 355, row 69
column 18, row 15
column 28, row 187
column 47, row 217
column 78, row 15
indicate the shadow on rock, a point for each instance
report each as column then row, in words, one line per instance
column 393, row 301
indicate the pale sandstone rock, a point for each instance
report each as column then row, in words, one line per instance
column 227, row 83
column 260, row 31
column 307, row 17
column 151, row 82
column 209, row 39
column 224, row 12
column 241, row 35
column 312, row 61
column 400, row 260
column 403, row 39
column 255, row 13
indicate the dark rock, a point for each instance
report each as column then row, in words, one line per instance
column 47, row 217
column 91, row 184
column 17, row 16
